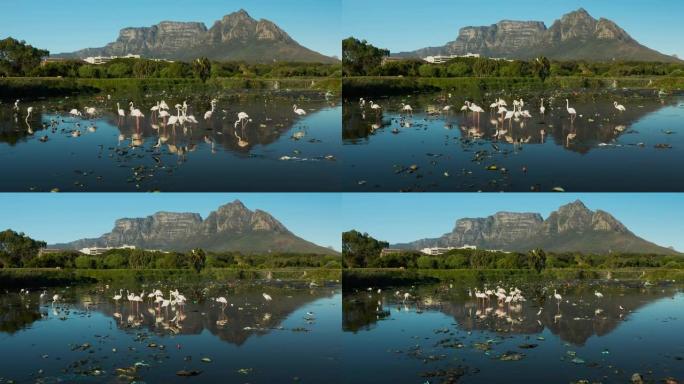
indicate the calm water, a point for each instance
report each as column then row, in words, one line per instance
column 88, row 337
column 441, row 335
column 276, row 150
column 601, row 150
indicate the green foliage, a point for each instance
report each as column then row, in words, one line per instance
column 17, row 249
column 119, row 68
column 176, row 70
column 197, row 259
column 359, row 58
column 201, row 67
column 536, row 259
column 18, row 58
column 360, row 249
column 541, row 67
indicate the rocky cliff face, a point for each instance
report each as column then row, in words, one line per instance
column 573, row 227
column 232, row 227
column 236, row 36
column 576, row 35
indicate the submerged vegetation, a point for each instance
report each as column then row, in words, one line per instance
column 360, row 250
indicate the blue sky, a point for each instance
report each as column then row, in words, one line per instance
column 406, row 217
column 69, row 25
column 403, row 25
column 71, row 216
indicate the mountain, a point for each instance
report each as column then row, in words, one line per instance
column 232, row 227
column 571, row 228
column 576, row 36
column 236, row 36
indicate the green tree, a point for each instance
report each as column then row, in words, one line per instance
column 428, row 70
column 359, row 58
column 17, row 249
column 18, row 58
column 541, row 68
column 201, row 67
column 198, row 259
column 536, row 259
column 458, row 69
column 360, row 249
column 119, row 70
column 426, row 262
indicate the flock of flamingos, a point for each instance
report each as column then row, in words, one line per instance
column 159, row 111
column 499, row 106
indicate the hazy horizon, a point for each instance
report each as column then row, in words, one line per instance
column 401, row 218
column 52, row 26
column 654, row 24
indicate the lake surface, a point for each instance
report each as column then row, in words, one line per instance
column 602, row 149
column 441, row 334
column 277, row 150
column 86, row 336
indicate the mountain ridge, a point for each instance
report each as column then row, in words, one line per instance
column 575, row 36
column 571, row 228
column 236, row 36
column 231, row 227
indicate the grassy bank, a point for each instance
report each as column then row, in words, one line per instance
column 38, row 87
column 47, row 277
column 387, row 86
column 371, row 277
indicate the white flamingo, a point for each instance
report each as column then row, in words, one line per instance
column 298, row 111
column 571, row 111
column 542, row 109
column 619, row 107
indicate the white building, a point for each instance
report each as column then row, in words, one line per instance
column 93, row 251
column 97, row 60
column 434, row 251
column 440, row 59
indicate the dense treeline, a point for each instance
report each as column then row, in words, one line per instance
column 19, row 59
column 362, row 59
column 17, row 249
column 149, row 69
column 142, row 259
column 363, row 251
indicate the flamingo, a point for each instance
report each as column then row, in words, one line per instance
column 118, row 296
column 571, row 111
column 242, row 119
column 55, row 298
column 223, row 302
column 90, row 111
column 298, row 111
column 266, row 296
column 558, row 297
column 476, row 109
column 542, row 109
column 375, row 107
column 29, row 110
column 120, row 111
column 75, row 112
column 509, row 117
column 407, row 108
column 619, row 107
column 16, row 105
column 598, row 294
